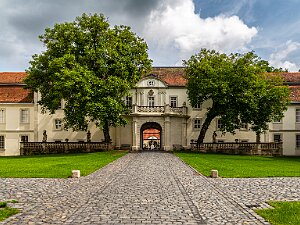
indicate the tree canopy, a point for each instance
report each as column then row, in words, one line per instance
column 240, row 88
column 91, row 66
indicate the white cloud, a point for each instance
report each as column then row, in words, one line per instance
column 280, row 57
column 174, row 25
column 171, row 28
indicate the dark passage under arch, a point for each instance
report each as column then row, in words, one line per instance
column 151, row 133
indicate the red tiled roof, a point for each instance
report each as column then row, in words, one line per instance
column 295, row 93
column 291, row 77
column 12, row 77
column 15, row 94
column 173, row 76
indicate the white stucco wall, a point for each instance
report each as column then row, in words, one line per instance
column 12, row 128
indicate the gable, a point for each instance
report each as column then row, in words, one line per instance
column 151, row 82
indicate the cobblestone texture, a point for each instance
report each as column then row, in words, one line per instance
column 144, row 188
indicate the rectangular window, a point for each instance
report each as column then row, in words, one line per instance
column 219, row 124
column 24, row 116
column 197, row 106
column 277, row 121
column 2, row 142
column 60, row 105
column 244, row 126
column 2, row 115
column 297, row 115
column 297, row 141
column 197, row 123
column 128, row 101
column 151, row 101
column 173, row 101
column 277, row 138
column 58, row 124
column 24, row 138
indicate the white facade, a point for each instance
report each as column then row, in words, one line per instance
column 158, row 103
column 288, row 130
column 17, row 121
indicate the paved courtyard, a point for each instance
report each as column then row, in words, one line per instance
column 144, row 188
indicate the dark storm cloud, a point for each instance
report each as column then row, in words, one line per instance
column 140, row 8
column 23, row 21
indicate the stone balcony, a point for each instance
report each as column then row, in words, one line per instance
column 161, row 110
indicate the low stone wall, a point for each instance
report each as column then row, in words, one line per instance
column 247, row 148
column 39, row 148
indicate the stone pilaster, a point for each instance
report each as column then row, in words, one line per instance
column 135, row 139
column 142, row 98
column 184, row 132
column 167, row 134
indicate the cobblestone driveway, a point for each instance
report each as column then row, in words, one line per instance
column 144, row 188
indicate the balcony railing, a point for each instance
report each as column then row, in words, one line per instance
column 247, row 148
column 178, row 110
column 38, row 148
column 159, row 109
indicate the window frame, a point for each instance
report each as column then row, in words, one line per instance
column 277, row 122
column 128, row 101
column 24, row 135
column 2, row 142
column 197, row 125
column 297, row 115
column 56, row 125
column 275, row 139
column 2, row 116
column 151, row 83
column 197, row 106
column 173, row 101
column 151, row 103
column 24, row 117
column 219, row 124
column 244, row 127
column 297, row 141
column 60, row 106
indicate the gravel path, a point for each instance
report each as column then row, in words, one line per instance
column 144, row 188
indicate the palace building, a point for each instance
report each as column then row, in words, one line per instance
column 161, row 118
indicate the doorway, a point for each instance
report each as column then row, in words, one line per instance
column 151, row 136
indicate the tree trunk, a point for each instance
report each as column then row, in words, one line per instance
column 204, row 127
column 106, row 133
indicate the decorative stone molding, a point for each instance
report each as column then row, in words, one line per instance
column 151, row 93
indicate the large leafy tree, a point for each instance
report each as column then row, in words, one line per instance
column 239, row 87
column 91, row 66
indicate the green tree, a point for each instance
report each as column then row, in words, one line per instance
column 91, row 66
column 239, row 88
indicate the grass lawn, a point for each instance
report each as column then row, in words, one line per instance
column 283, row 213
column 55, row 166
column 243, row 166
column 6, row 211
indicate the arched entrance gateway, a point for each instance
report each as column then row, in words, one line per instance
column 151, row 134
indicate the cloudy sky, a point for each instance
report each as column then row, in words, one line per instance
column 173, row 29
